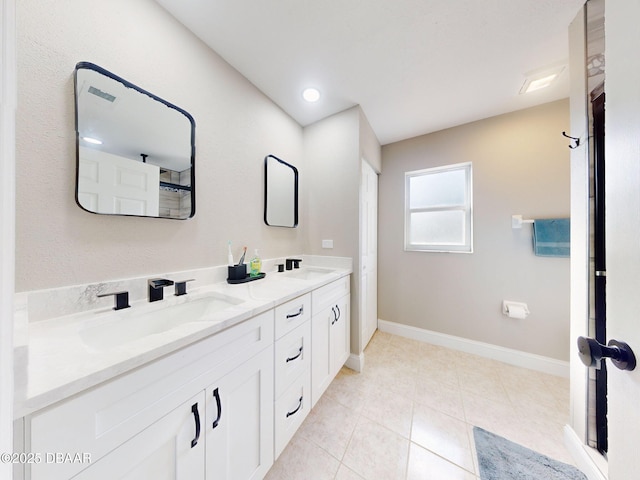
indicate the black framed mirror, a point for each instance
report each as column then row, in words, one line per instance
column 135, row 152
column 280, row 193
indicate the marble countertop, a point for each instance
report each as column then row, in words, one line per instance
column 56, row 361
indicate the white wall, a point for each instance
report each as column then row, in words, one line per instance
column 520, row 166
column 236, row 127
column 332, row 157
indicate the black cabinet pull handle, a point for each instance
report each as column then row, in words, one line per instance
column 296, row 410
column 196, row 418
column 339, row 313
column 293, row 315
column 335, row 317
column 216, row 395
column 291, row 359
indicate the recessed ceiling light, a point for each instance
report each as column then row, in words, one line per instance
column 95, row 141
column 541, row 80
column 311, row 94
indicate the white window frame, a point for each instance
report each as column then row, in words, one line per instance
column 466, row 207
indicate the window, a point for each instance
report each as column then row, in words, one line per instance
column 438, row 213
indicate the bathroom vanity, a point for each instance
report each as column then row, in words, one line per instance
column 217, row 395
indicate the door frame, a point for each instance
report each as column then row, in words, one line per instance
column 8, row 103
column 598, row 275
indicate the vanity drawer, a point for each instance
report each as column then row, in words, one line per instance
column 108, row 415
column 292, row 357
column 325, row 296
column 291, row 314
column 290, row 411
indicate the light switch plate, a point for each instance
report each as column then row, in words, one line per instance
column 327, row 243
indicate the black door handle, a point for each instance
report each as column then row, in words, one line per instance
column 216, row 395
column 591, row 351
column 196, row 418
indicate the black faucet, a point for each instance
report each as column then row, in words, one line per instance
column 292, row 263
column 156, row 286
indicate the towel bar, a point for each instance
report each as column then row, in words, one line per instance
column 517, row 221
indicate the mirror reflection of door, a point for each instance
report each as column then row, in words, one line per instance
column 112, row 184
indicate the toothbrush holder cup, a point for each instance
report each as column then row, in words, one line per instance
column 237, row 272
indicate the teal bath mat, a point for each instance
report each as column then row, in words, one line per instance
column 502, row 459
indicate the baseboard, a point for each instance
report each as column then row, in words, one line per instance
column 494, row 352
column 584, row 460
column 355, row 362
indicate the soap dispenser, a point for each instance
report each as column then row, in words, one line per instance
column 255, row 265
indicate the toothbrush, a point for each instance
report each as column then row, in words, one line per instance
column 230, row 256
column 242, row 257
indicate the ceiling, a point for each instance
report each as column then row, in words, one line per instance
column 414, row 66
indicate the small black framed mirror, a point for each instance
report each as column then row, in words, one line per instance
column 135, row 152
column 280, row 193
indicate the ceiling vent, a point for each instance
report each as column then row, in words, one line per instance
column 99, row 93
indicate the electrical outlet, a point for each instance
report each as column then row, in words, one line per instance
column 327, row 243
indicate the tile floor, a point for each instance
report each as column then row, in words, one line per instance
column 410, row 415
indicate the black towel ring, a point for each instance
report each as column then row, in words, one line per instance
column 577, row 140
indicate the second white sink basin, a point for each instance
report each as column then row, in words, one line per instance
column 125, row 326
column 309, row 273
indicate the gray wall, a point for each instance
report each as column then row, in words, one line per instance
column 59, row 244
column 520, row 166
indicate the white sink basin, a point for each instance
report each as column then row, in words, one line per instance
column 125, row 326
column 308, row 273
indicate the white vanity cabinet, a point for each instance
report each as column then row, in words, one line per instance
column 221, row 408
column 153, row 406
column 330, row 332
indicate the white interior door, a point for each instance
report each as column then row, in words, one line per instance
column 368, row 253
column 622, row 113
column 111, row 184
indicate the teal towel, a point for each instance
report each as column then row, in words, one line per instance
column 551, row 237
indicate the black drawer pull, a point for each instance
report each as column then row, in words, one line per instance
column 216, row 395
column 291, row 359
column 296, row 410
column 300, row 312
column 196, row 418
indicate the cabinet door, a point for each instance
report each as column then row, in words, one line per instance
column 239, row 421
column 330, row 337
column 172, row 448
column 340, row 336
